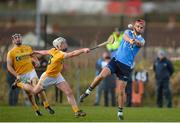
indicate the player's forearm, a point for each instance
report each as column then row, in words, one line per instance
column 42, row 52
column 36, row 61
column 76, row 53
column 133, row 41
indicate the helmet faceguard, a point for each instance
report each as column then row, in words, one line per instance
column 17, row 39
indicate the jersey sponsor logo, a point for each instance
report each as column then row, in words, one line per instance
column 50, row 57
column 22, row 57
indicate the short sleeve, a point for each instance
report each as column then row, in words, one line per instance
column 127, row 32
column 30, row 50
column 61, row 55
column 9, row 55
column 49, row 51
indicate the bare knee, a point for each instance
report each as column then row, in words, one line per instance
column 35, row 90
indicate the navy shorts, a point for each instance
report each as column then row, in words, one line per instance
column 121, row 70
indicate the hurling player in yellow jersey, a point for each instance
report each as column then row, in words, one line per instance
column 19, row 63
column 52, row 75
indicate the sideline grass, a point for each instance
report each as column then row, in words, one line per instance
column 96, row 114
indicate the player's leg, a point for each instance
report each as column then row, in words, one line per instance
column 123, row 73
column 17, row 84
column 29, row 90
column 33, row 102
column 43, row 97
column 28, row 87
column 46, row 105
column 64, row 86
column 105, row 72
column 121, row 85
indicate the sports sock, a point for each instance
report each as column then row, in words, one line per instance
column 89, row 90
column 46, row 104
column 33, row 102
column 44, row 99
column 75, row 108
column 120, row 109
column 20, row 85
column 35, row 107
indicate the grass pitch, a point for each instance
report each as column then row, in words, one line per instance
column 96, row 114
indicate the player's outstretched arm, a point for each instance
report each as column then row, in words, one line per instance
column 76, row 52
column 42, row 52
column 133, row 41
column 35, row 60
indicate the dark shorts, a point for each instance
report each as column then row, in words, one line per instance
column 121, row 70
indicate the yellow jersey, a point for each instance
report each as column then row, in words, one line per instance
column 55, row 63
column 21, row 59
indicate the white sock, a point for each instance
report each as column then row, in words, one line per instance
column 120, row 113
column 88, row 91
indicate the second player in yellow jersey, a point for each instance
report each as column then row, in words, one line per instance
column 21, row 59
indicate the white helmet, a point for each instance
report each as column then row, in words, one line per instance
column 58, row 41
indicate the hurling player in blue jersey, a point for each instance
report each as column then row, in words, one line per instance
column 122, row 63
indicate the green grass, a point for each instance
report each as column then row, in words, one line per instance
column 97, row 114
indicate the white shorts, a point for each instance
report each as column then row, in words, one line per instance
column 28, row 76
column 47, row 81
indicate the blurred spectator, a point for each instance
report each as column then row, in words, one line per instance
column 137, row 89
column 163, row 69
column 58, row 95
column 12, row 94
column 109, row 83
column 129, row 92
column 43, row 64
column 128, row 89
column 99, row 87
column 117, row 37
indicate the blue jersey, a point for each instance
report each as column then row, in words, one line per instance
column 98, row 66
column 126, row 51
